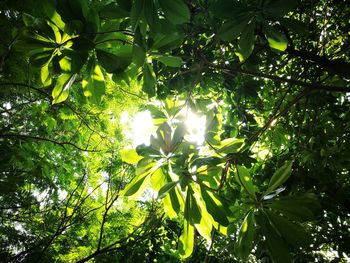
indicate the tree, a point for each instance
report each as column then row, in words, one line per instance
column 270, row 179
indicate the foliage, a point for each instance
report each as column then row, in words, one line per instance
column 269, row 182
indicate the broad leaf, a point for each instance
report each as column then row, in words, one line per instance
column 166, row 189
column 277, row 248
column 232, row 28
column 279, row 177
column 135, row 186
column 176, row 11
column 147, row 151
column 94, row 84
column 186, row 240
column 215, row 207
column 61, row 90
column 299, row 207
column 149, row 80
column 195, row 212
column 279, row 8
column 275, row 38
column 230, row 145
column 294, row 234
column 45, row 75
column 246, row 42
column 130, row 156
column 245, row 241
column 112, row 63
column 151, row 15
column 170, row 61
column 136, row 11
column 245, row 180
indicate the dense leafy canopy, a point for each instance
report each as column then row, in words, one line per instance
column 268, row 182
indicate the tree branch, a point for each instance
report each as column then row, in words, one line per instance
column 62, row 144
column 311, row 86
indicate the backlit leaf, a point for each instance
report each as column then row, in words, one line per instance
column 245, row 180
column 186, row 241
column 246, row 42
column 170, row 61
column 165, row 189
column 280, row 176
column 276, row 39
column 245, row 241
column 230, row 145
column 214, row 207
column 130, row 156
column 61, row 90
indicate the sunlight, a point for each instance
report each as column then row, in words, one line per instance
column 195, row 126
column 139, row 128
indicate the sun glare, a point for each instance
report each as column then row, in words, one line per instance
column 195, row 126
column 139, row 128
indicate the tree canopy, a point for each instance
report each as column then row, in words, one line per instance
column 247, row 159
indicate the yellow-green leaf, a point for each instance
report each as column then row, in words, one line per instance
column 230, row 145
column 130, row 156
column 186, row 240
column 276, row 39
column 61, row 90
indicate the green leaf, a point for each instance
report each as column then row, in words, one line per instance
column 135, row 186
column 112, row 11
column 166, row 189
column 211, row 161
column 246, row 42
column 195, row 212
column 280, row 7
column 227, row 8
column 275, row 38
column 296, row 207
column 279, row 177
column 112, row 63
column 151, row 15
column 147, row 151
column 149, row 80
column 56, row 18
column 144, row 170
column 245, row 241
column 138, row 55
column 295, row 26
column 130, row 156
column 170, row 61
column 232, row 28
column 45, row 75
column 94, row 84
column 186, row 240
column 215, row 207
column 294, row 234
column 136, row 11
column 174, row 196
column 41, row 59
column 167, row 42
column 155, row 112
column 61, row 90
column 176, row 11
column 230, row 145
column 178, row 135
column 277, row 248
column 245, row 180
